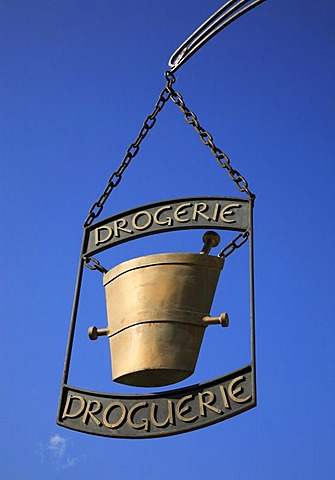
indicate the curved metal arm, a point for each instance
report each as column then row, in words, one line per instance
column 229, row 12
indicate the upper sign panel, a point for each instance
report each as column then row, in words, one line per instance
column 223, row 213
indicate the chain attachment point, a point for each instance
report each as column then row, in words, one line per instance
column 237, row 242
column 96, row 264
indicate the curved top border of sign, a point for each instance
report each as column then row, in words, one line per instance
column 222, row 213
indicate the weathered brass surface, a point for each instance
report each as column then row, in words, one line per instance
column 157, row 308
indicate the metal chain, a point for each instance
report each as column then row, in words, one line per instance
column 223, row 160
column 207, row 138
column 234, row 244
column 131, row 152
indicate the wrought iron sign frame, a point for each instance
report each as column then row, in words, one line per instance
column 174, row 411
column 196, row 406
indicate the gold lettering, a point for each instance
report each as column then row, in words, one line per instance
column 224, row 397
column 199, row 208
column 98, row 237
column 107, row 411
column 169, row 419
column 180, row 210
column 145, row 422
column 208, row 403
column 167, row 221
column 182, row 410
column 120, row 225
column 90, row 411
column 216, row 212
column 141, row 214
column 67, row 408
column 227, row 211
column 232, row 391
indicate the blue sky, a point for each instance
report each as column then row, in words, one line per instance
column 78, row 79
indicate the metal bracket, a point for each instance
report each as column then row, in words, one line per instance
column 223, row 17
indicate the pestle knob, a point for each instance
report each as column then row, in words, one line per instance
column 94, row 332
column 211, row 239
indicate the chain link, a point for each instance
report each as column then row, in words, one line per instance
column 131, row 152
column 96, row 265
column 234, row 244
column 207, row 139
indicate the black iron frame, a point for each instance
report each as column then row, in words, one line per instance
column 250, row 368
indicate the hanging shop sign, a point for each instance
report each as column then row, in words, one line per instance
column 158, row 305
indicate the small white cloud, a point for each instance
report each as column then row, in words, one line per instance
column 57, row 446
column 56, row 451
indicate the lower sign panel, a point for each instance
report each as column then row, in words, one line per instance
column 158, row 414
